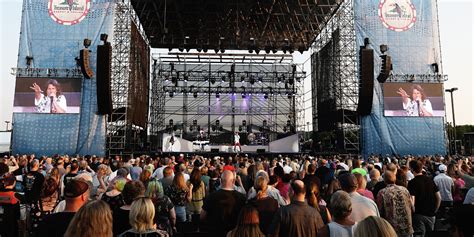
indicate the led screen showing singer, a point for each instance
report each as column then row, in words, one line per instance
column 47, row 95
column 409, row 99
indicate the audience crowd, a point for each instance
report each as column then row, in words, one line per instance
column 236, row 195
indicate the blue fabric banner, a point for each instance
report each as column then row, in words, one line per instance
column 410, row 29
column 56, row 44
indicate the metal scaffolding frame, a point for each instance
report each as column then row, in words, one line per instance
column 122, row 134
column 343, row 88
column 184, row 86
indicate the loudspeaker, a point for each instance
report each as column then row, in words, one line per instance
column 85, row 63
column 104, row 64
column 215, row 150
column 366, row 73
column 260, row 151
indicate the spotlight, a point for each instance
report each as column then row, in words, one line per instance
column 195, row 94
column 87, row 43
column 242, row 79
column 103, row 37
column 383, row 48
column 223, row 79
column 265, row 96
column 252, row 79
column 213, row 80
column 185, row 77
column 260, row 79
column 171, row 94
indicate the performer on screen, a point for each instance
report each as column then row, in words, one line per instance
column 237, row 141
column 52, row 101
column 418, row 104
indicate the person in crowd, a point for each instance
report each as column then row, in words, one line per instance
column 323, row 171
column 247, row 224
column 468, row 179
column 283, row 184
column 168, row 177
column 214, row 181
column 198, row 192
column 165, row 215
column 402, row 179
column 50, row 190
column 361, row 186
column 141, row 218
column 100, row 180
column 73, row 170
column 33, row 183
column 374, row 226
column 114, row 197
column 93, row 219
column 362, row 207
column 50, row 101
column 310, row 177
column 427, row 199
column 135, row 170
column 9, row 203
column 395, row 205
column 314, row 200
column 221, row 207
column 180, row 194
column 76, row 194
column 145, row 177
column 271, row 190
column 458, row 195
column 342, row 224
column 131, row 191
column 205, row 177
column 418, row 103
column 166, row 162
column 298, row 218
column 266, row 205
column 445, row 186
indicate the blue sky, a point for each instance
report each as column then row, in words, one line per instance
column 456, row 27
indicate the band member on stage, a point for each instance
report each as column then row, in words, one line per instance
column 52, row 101
column 171, row 142
column 202, row 135
column 417, row 104
column 237, row 141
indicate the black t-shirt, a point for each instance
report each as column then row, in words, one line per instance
column 222, row 208
column 33, row 182
column 55, row 224
column 267, row 208
column 323, row 174
column 120, row 221
column 424, row 189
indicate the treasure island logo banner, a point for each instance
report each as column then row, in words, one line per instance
column 397, row 15
column 68, row 12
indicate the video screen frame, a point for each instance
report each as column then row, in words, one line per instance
column 55, row 95
column 410, row 99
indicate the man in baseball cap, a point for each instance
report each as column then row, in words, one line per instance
column 76, row 194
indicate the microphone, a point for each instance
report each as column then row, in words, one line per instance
column 51, row 98
column 418, row 106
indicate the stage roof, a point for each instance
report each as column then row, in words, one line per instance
column 289, row 25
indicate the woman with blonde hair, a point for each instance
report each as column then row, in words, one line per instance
column 266, row 205
column 93, row 219
column 165, row 215
column 141, row 217
column 247, row 224
column 374, row 226
column 180, row 194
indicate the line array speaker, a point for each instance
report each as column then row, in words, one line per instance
column 366, row 89
column 104, row 63
column 85, row 63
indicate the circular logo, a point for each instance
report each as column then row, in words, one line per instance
column 68, row 12
column 397, row 15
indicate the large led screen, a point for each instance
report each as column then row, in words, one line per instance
column 413, row 99
column 47, row 95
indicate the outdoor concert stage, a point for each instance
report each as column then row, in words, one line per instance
column 285, row 145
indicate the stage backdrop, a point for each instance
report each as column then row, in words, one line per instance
column 410, row 29
column 52, row 33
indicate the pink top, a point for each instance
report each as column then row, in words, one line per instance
column 458, row 185
column 366, row 193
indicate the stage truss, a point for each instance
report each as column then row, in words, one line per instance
column 225, row 93
column 335, row 83
column 123, row 136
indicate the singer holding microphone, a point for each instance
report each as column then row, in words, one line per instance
column 416, row 105
column 52, row 101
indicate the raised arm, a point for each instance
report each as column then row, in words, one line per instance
column 37, row 90
column 404, row 95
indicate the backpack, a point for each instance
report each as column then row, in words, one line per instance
column 50, row 186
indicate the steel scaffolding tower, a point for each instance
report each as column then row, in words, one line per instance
column 335, row 79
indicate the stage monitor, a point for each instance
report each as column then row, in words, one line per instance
column 47, row 95
column 413, row 99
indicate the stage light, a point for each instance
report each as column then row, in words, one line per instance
column 222, row 50
column 244, row 96
column 242, row 79
column 383, row 48
column 181, row 48
column 213, row 80
column 171, row 94
column 223, row 79
column 185, row 77
column 195, row 94
column 274, row 50
column 252, row 79
column 87, row 43
column 218, row 95
column 103, row 37
column 29, row 60
column 265, row 96
column 260, row 79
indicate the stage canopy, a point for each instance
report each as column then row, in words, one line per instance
column 266, row 25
